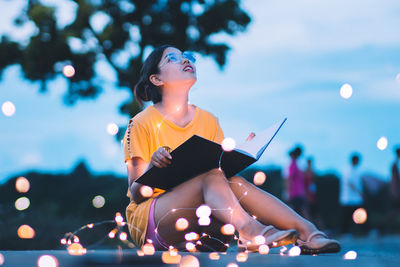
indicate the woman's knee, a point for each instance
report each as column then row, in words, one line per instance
column 214, row 174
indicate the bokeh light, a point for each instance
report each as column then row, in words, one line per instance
column 25, row 232
column 204, row 221
column 263, row 249
column 259, row 240
column 112, row 128
column 8, row 108
column 189, row 261
column 350, row 255
column 22, row 203
column 76, row 249
column 1, row 259
column 146, row 191
column 259, row 178
column 191, row 236
column 360, row 216
column 203, row 211
column 190, row 246
column 181, row 224
column 98, row 201
column 214, row 256
column 47, row 261
column 241, row 257
column 123, row 236
column 118, row 218
column 169, row 258
column 228, row 229
column 294, row 251
column 22, row 185
column 232, row 264
column 68, row 71
column 228, row 144
column 382, row 143
column 148, row 249
column 346, row 91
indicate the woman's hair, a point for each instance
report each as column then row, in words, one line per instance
column 145, row 90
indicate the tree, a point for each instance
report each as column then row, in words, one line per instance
column 130, row 26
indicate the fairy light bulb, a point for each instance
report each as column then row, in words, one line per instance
column 241, row 257
column 259, row 240
column 118, row 218
column 76, row 249
column 214, row 256
column 181, row 224
column 123, row 236
column 203, row 211
column 25, row 232
column 148, row 249
column 22, row 203
column 68, row 71
column 63, row 241
column 47, row 261
column 112, row 128
column 169, row 258
column 189, row 261
column 259, row 178
column 346, row 91
column 228, row 229
column 204, row 221
column 146, row 191
column 228, row 144
column 263, row 249
column 360, row 216
column 294, row 251
column 350, row 255
column 90, row 225
column 382, row 143
column 190, row 246
column 191, row 236
column 22, row 185
column 8, row 108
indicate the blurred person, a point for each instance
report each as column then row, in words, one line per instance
column 395, row 181
column 166, row 78
column 351, row 196
column 296, row 186
column 311, row 190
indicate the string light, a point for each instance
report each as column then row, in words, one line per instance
column 47, row 261
column 118, row 218
column 263, row 249
column 346, row 91
column 259, row 240
column 22, row 185
column 25, row 232
column 123, row 236
column 76, row 249
column 228, row 229
column 228, row 144
column 204, row 221
column 350, row 255
column 181, row 224
column 190, row 246
column 203, row 211
column 259, row 178
column 148, row 249
column 282, row 250
column 382, row 143
column 146, row 191
column 360, row 216
column 294, row 251
column 232, row 264
column 98, row 201
column 112, row 128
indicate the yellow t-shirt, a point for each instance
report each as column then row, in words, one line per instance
column 148, row 131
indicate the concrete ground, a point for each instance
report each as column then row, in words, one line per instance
column 371, row 251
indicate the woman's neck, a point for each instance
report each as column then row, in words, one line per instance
column 174, row 106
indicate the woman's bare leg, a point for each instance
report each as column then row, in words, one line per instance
column 268, row 209
column 212, row 189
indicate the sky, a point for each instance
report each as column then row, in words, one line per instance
column 291, row 62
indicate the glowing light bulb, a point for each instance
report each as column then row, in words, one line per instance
column 146, row 191
column 263, row 249
column 228, row 229
column 213, row 256
column 350, row 255
column 294, row 251
column 76, row 249
column 181, row 224
column 346, row 91
column 148, row 249
column 8, row 108
column 22, row 185
column 111, row 234
column 191, row 236
column 168, row 258
column 98, row 201
column 382, row 143
column 189, row 261
column 76, row 239
column 259, row 240
column 203, row 211
column 118, row 218
column 232, row 264
column 204, row 221
column 241, row 257
column 22, row 203
column 26, row 232
column 259, row 178
column 360, row 216
column 112, row 128
column 63, row 241
column 228, row 144
column 1, row 259
column 68, row 71
column 123, row 236
column 90, row 225
column 190, row 246
column 47, row 261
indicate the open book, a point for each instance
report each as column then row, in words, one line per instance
column 198, row 155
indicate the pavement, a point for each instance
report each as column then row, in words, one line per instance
column 371, row 251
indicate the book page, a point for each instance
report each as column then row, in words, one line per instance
column 256, row 146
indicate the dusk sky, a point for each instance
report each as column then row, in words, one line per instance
column 291, row 62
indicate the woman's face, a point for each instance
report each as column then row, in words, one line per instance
column 176, row 69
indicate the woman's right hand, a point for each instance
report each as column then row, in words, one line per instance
column 160, row 158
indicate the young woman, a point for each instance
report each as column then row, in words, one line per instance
column 166, row 78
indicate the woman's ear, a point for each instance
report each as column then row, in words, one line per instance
column 155, row 80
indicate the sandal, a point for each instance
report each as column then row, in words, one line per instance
column 309, row 247
column 276, row 239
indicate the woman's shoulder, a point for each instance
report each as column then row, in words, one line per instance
column 143, row 116
column 206, row 114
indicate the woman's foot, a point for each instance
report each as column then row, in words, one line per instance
column 273, row 238
column 318, row 242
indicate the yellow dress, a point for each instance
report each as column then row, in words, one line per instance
column 148, row 131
